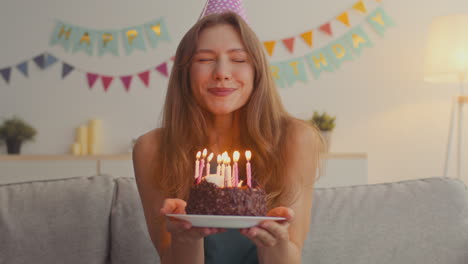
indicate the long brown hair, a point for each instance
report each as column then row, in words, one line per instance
column 263, row 119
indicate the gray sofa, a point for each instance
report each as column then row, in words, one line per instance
column 100, row 220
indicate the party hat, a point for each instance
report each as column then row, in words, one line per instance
column 221, row 6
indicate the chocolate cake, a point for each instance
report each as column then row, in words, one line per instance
column 207, row 198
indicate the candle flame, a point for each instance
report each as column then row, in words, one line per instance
column 236, row 156
column 248, row 155
column 228, row 160
column 240, row 184
column 220, row 158
column 204, row 153
column 198, row 154
column 210, row 157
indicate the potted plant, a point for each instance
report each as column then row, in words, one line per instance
column 325, row 123
column 14, row 132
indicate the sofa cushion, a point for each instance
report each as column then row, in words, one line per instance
column 416, row 221
column 130, row 241
column 56, row 221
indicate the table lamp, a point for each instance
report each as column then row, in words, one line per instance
column 447, row 62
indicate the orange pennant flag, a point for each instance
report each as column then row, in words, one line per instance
column 359, row 6
column 343, row 18
column 326, row 28
column 307, row 37
column 269, row 46
column 289, row 43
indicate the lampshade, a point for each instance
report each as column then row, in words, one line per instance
column 447, row 49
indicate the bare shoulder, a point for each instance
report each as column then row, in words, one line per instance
column 303, row 137
column 146, row 146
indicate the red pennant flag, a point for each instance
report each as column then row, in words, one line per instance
column 126, row 80
column 92, row 77
column 326, row 28
column 172, row 58
column 106, row 81
column 162, row 68
column 144, row 77
column 289, row 43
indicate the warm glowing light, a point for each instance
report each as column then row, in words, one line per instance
column 204, row 153
column 198, row 154
column 210, row 157
column 248, row 155
column 236, row 156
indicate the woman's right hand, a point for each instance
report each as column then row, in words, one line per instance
column 181, row 230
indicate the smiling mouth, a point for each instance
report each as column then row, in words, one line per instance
column 218, row 91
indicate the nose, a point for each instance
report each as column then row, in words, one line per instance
column 222, row 71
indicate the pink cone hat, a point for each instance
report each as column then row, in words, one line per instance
column 221, row 6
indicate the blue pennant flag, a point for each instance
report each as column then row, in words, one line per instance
column 50, row 60
column 319, row 61
column 133, row 39
column 83, row 39
column 66, row 69
column 39, row 60
column 62, row 35
column 380, row 21
column 5, row 72
column 357, row 39
column 23, row 68
column 277, row 74
column 294, row 70
column 107, row 42
column 339, row 52
column 156, row 31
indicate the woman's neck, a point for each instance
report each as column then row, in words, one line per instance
column 223, row 132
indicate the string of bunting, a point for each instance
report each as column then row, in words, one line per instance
column 330, row 57
column 75, row 38
column 326, row 28
column 46, row 60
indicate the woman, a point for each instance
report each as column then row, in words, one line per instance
column 221, row 94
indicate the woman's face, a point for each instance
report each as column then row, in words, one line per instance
column 221, row 73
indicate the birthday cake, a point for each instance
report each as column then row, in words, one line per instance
column 222, row 194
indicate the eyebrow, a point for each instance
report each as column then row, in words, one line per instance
column 211, row 51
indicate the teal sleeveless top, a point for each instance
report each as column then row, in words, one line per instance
column 230, row 247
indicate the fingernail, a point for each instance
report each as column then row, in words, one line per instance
column 265, row 225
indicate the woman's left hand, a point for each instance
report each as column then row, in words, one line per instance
column 271, row 233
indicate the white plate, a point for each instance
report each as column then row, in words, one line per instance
column 224, row 221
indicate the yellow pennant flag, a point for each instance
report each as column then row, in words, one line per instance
column 269, row 46
column 343, row 18
column 307, row 37
column 359, row 6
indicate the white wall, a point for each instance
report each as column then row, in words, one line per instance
column 382, row 105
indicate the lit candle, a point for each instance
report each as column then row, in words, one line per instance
column 235, row 169
column 202, row 165
column 218, row 168
column 208, row 164
column 228, row 177
column 240, row 184
column 197, row 165
column 248, row 155
column 223, row 165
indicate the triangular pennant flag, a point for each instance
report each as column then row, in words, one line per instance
column 343, row 18
column 39, row 60
column 289, row 43
column 126, row 80
column 307, row 37
column 359, row 6
column 92, row 77
column 326, row 28
column 50, row 59
column 23, row 68
column 162, row 68
column 144, row 77
column 106, row 81
column 172, row 58
column 6, row 74
column 66, row 69
column 269, row 46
